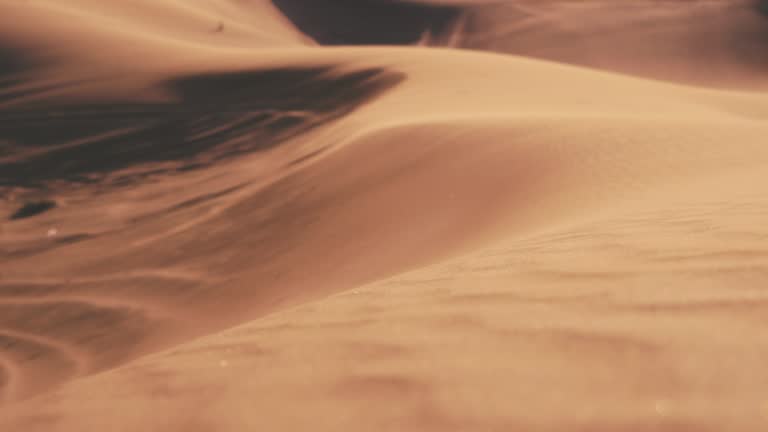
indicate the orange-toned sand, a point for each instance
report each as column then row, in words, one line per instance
column 210, row 221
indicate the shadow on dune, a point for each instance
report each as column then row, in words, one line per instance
column 762, row 7
column 52, row 341
column 8, row 77
column 213, row 117
column 51, row 331
column 367, row 22
column 33, row 208
column 13, row 64
column 722, row 44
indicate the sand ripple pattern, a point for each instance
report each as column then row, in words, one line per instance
column 58, row 327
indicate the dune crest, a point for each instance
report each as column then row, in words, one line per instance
column 713, row 43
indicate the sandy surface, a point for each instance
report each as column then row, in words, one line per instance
column 232, row 215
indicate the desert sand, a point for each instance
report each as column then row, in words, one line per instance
column 532, row 215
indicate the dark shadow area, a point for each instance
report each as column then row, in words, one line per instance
column 12, row 65
column 42, row 364
column 762, row 8
column 33, row 209
column 367, row 22
column 53, row 331
column 78, row 325
column 57, row 340
column 15, row 67
column 213, row 117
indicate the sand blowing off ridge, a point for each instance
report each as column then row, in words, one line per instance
column 319, row 216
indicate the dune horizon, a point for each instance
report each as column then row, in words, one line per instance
column 383, row 215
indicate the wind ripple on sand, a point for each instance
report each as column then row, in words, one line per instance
column 211, row 117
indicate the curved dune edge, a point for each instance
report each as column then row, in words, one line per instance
column 576, row 301
column 713, row 43
column 504, row 183
column 483, row 169
column 410, row 208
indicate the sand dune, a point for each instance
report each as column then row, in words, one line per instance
column 406, row 237
column 712, row 43
column 705, row 42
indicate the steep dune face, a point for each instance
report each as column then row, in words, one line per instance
column 722, row 43
column 169, row 170
column 93, row 149
column 207, row 118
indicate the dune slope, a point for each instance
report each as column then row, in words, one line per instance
column 718, row 43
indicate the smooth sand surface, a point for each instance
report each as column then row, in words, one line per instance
column 210, row 220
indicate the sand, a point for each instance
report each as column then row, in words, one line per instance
column 250, row 215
